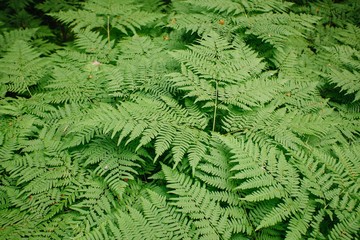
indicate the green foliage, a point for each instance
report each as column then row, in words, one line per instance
column 21, row 68
column 120, row 15
column 207, row 119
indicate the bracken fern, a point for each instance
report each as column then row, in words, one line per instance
column 207, row 119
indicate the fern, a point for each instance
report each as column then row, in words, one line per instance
column 211, row 70
column 129, row 121
column 277, row 29
column 275, row 179
column 87, row 38
column 122, row 16
column 21, row 68
column 209, row 218
column 179, row 120
column 347, row 78
column 8, row 38
column 160, row 217
column 349, row 36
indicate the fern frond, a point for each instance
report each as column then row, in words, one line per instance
column 212, row 71
column 348, row 228
column 209, row 218
column 139, row 69
column 343, row 72
column 94, row 43
column 21, row 67
column 347, row 81
column 113, row 165
column 228, row 7
column 194, row 23
column 349, row 36
column 299, row 224
column 7, row 39
column 172, row 129
column 123, row 16
column 74, row 86
column 323, row 180
column 167, row 219
column 251, row 94
column 80, row 19
column 277, row 29
column 268, row 6
column 214, row 169
column 334, row 13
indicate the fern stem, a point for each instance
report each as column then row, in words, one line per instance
column 215, row 105
column 108, row 31
column 28, row 90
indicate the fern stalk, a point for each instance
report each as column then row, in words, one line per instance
column 215, row 104
column 108, row 31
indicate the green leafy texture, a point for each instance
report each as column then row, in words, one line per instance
column 218, row 74
column 349, row 36
column 228, row 7
column 140, row 69
column 54, row 6
column 214, row 169
column 344, row 72
column 265, row 175
column 106, row 14
column 179, row 120
column 68, row 83
column 94, row 43
column 334, row 13
column 21, row 68
column 17, row 15
column 157, row 219
column 7, row 38
column 205, row 16
column 209, row 218
column 276, row 28
column 175, row 128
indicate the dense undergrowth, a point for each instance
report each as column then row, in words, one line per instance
column 182, row 119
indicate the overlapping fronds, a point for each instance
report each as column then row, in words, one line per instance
column 21, row 67
column 121, row 15
column 183, row 119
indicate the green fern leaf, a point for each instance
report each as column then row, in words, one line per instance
column 21, row 67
